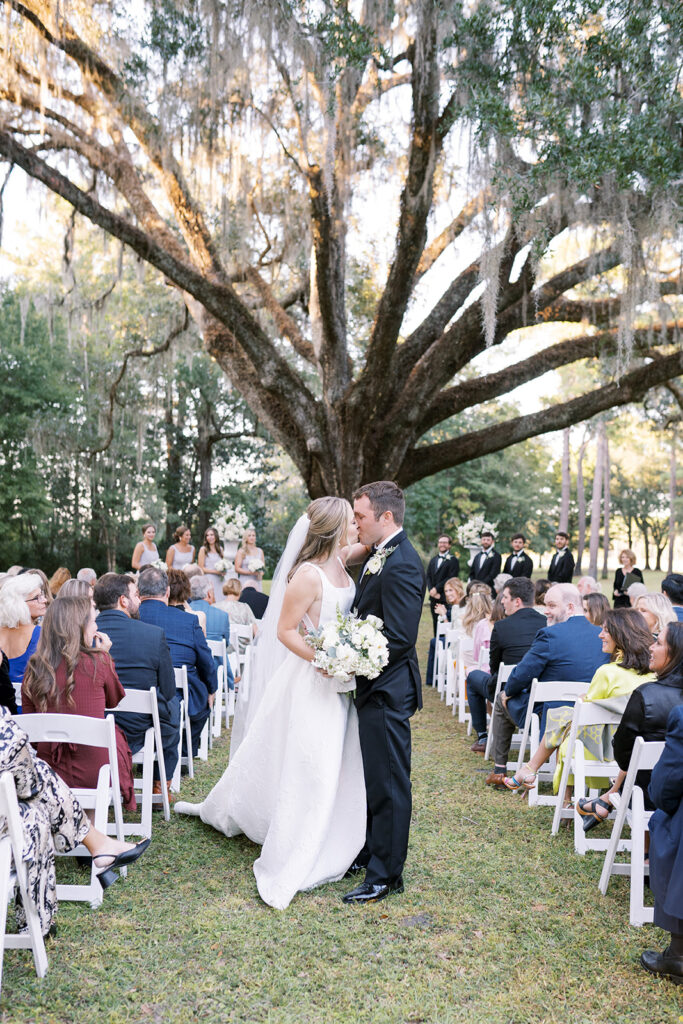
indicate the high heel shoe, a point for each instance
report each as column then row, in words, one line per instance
column 108, row 875
column 521, row 785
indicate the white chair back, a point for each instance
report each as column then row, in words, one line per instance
column 185, row 724
column 12, row 850
column 502, row 678
column 144, row 702
column 219, row 649
column 465, row 662
column 567, row 691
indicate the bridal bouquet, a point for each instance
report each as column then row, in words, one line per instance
column 348, row 646
column 255, row 565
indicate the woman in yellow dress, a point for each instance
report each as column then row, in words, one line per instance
column 626, row 638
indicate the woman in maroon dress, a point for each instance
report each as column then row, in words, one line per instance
column 71, row 673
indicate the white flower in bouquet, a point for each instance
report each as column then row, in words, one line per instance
column 255, row 565
column 158, row 564
column 231, row 522
column 470, row 532
column 223, row 565
column 349, row 646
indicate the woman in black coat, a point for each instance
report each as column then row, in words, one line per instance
column 666, row 852
column 627, row 559
column 646, row 715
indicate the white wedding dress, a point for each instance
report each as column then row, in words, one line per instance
column 295, row 783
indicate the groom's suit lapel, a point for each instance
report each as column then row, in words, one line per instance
column 365, row 576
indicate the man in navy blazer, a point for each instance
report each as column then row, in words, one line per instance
column 142, row 659
column 569, row 648
column 666, row 851
column 186, row 643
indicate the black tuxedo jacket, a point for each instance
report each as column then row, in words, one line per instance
column 485, row 569
column 257, row 601
column 561, row 569
column 524, row 567
column 396, row 596
column 511, row 638
column 438, row 574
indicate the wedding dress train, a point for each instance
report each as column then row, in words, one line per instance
column 295, row 783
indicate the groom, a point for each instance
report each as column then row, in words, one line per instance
column 391, row 586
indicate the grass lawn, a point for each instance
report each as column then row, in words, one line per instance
column 499, row 923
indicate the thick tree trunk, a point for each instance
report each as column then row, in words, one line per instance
column 566, row 482
column 606, row 508
column 672, row 499
column 596, row 504
column 581, row 503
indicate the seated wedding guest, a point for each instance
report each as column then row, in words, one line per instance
column 186, row 643
column 518, row 562
column 666, row 851
column 672, row 586
column 562, row 563
column 626, row 640
column 181, row 552
column 646, row 715
column 257, row 601
column 202, row 600
column 67, row 675
column 500, row 581
column 635, row 591
column 450, row 611
column 594, row 608
column 8, row 698
column 143, row 660
column 52, row 820
column 541, row 588
column 657, row 611
column 22, row 604
column 626, row 574
column 478, row 607
column 75, row 588
column 88, row 575
column 237, row 611
column 486, row 565
column 511, row 638
column 588, row 585
column 44, row 582
column 476, row 587
column 145, row 551
column 58, row 579
column 210, row 555
column 569, row 648
column 247, row 553
column 443, row 566
column 180, row 595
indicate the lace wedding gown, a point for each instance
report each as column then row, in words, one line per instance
column 295, row 784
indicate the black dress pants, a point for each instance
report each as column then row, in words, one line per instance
column 385, row 744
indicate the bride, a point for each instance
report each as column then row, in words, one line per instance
column 295, row 783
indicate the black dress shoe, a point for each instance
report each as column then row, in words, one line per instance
column 354, row 869
column 670, row 967
column 367, row 892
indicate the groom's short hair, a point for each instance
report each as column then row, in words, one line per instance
column 384, row 496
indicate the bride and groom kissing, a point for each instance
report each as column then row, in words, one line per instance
column 320, row 781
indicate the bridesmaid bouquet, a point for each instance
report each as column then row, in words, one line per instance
column 223, row 565
column 348, row 646
column 255, row 565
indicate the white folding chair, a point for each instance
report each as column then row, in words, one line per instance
column 144, row 702
column 566, row 691
column 181, row 684
column 449, row 654
column 11, row 878
column 240, row 639
column 440, row 656
column 88, row 732
column 644, row 758
column 17, row 694
column 219, row 649
column 502, row 678
column 464, row 661
column 576, row 764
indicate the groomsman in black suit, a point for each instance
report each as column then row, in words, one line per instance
column 562, row 563
column 443, row 566
column 486, row 565
column 518, row 562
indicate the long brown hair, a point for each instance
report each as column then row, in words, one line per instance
column 218, row 546
column 632, row 638
column 62, row 638
column 328, row 521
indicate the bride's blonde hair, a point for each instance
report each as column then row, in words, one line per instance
column 328, row 522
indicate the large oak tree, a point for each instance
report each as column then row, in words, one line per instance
column 237, row 148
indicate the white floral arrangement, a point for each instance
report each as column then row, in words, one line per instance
column 348, row 646
column 157, row 564
column 470, row 532
column 255, row 565
column 230, row 523
column 223, row 565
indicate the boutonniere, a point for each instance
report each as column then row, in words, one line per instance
column 376, row 562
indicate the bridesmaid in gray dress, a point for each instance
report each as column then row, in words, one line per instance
column 182, row 552
column 210, row 553
column 245, row 554
column 146, row 550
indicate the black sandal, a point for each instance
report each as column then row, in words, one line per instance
column 587, row 809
